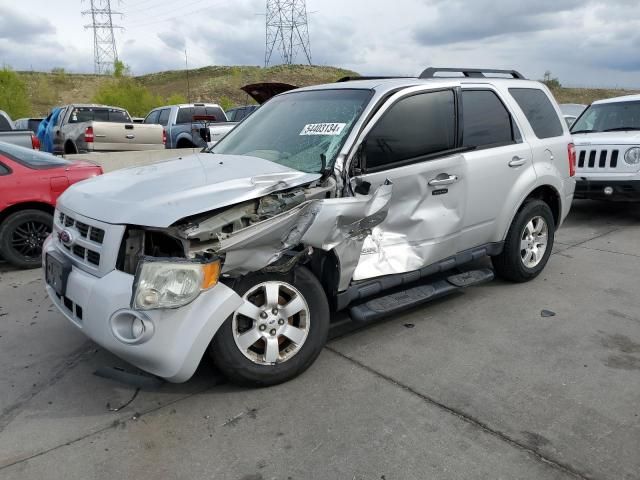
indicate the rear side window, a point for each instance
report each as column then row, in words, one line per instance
column 486, row 121
column 414, row 127
column 152, row 117
column 32, row 158
column 4, row 170
column 539, row 111
column 4, row 124
column 163, row 118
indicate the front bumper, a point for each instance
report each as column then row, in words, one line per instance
column 179, row 337
column 621, row 190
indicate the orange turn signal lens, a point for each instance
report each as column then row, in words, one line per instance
column 211, row 272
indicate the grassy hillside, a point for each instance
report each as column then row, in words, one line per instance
column 218, row 84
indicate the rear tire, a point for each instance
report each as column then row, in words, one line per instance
column 255, row 347
column 528, row 244
column 22, row 235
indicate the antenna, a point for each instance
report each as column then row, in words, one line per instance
column 105, row 53
column 287, row 28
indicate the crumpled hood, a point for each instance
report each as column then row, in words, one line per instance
column 607, row 138
column 160, row 194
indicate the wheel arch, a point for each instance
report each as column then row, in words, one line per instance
column 548, row 194
column 45, row 207
column 70, row 148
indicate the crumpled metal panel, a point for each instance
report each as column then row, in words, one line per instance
column 324, row 224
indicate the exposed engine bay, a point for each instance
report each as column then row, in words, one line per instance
column 275, row 229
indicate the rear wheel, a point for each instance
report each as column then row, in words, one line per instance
column 22, row 235
column 277, row 332
column 528, row 244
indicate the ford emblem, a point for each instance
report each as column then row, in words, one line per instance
column 65, row 237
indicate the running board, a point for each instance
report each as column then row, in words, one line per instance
column 398, row 301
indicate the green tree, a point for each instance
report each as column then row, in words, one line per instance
column 120, row 69
column 225, row 102
column 126, row 92
column 176, row 99
column 551, row 82
column 14, row 97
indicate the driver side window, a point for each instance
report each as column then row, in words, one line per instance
column 413, row 128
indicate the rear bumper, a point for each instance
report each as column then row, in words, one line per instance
column 622, row 190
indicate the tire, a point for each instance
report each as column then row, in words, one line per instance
column 253, row 366
column 522, row 239
column 22, row 235
column 185, row 144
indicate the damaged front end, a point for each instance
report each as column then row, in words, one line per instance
column 270, row 233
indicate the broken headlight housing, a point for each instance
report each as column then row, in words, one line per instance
column 171, row 283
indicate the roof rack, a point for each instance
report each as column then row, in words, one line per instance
column 352, row 79
column 470, row 72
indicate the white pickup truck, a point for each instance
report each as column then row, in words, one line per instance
column 83, row 128
column 607, row 140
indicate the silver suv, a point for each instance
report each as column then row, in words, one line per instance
column 367, row 195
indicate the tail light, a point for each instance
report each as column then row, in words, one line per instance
column 571, row 150
column 35, row 142
column 164, row 137
column 88, row 135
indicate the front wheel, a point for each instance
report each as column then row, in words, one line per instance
column 277, row 332
column 22, row 235
column 528, row 244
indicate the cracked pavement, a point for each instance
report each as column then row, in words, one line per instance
column 481, row 386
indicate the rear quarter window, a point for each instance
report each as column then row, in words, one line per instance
column 486, row 121
column 5, row 126
column 539, row 111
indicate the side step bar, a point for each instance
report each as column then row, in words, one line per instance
column 398, row 301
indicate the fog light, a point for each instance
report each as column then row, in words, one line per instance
column 608, row 190
column 137, row 328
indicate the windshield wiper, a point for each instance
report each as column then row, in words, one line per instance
column 620, row 129
column 584, row 131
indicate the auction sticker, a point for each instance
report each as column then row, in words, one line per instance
column 323, row 129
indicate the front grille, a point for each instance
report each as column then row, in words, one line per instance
column 598, row 159
column 94, row 234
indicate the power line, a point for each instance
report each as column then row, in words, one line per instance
column 172, row 16
column 105, row 52
column 287, row 29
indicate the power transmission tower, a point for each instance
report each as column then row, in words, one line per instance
column 104, row 43
column 287, row 29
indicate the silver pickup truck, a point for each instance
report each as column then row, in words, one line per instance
column 22, row 138
column 82, row 128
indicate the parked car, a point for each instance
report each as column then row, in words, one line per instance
column 260, row 92
column 571, row 111
column 192, row 125
column 82, row 128
column 9, row 134
column 27, row 124
column 371, row 196
column 30, row 184
column 607, row 138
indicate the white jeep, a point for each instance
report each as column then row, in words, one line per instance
column 368, row 195
column 607, row 139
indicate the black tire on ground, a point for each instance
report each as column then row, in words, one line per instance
column 70, row 149
column 185, row 144
column 509, row 265
column 21, row 236
column 242, row 371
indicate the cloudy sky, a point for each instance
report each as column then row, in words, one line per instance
column 583, row 42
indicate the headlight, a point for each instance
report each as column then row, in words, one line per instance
column 632, row 156
column 171, row 284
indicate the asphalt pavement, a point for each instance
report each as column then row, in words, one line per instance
column 478, row 385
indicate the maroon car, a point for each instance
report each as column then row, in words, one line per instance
column 30, row 183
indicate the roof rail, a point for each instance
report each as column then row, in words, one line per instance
column 353, row 79
column 470, row 72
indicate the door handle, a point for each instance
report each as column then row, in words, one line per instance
column 517, row 162
column 443, row 180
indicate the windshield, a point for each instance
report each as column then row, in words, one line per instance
column 32, row 158
column 300, row 130
column 605, row 117
column 98, row 114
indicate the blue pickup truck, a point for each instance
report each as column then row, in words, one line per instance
column 191, row 125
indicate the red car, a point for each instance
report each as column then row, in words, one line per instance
column 30, row 183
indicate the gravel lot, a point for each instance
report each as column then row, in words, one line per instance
column 478, row 385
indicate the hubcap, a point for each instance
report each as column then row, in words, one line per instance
column 272, row 324
column 534, row 241
column 28, row 237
